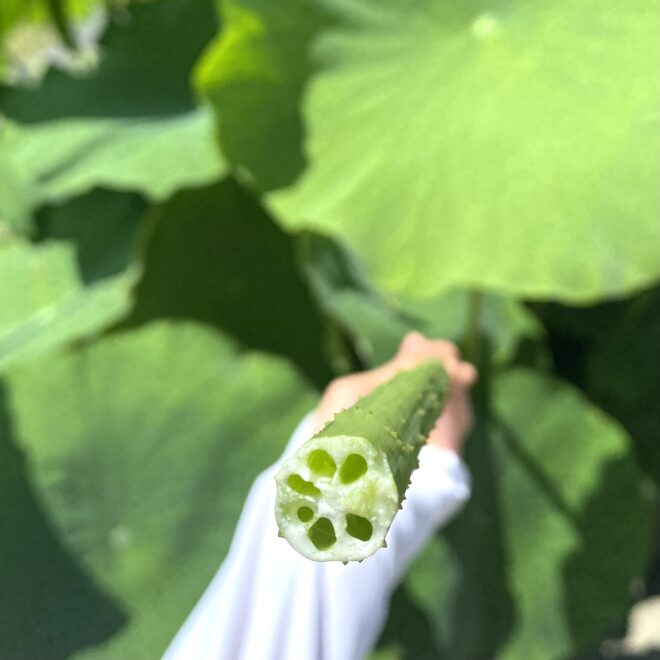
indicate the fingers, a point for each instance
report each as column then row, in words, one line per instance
column 457, row 419
column 415, row 347
column 455, row 423
column 466, row 373
column 343, row 392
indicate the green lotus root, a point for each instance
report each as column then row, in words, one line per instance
column 338, row 494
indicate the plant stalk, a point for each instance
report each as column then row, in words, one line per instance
column 472, row 337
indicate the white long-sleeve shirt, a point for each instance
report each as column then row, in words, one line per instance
column 269, row 603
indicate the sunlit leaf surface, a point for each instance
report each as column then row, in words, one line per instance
column 44, row 304
column 508, row 145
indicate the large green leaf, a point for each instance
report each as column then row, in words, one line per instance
column 153, row 156
column 18, row 191
column 541, row 561
column 216, row 256
column 44, row 304
column 142, row 448
column 512, row 146
column 133, row 123
column 256, row 73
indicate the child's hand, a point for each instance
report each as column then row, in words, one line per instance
column 456, row 420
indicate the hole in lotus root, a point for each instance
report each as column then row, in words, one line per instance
column 322, row 534
column 358, row 527
column 321, row 463
column 305, row 514
column 353, row 468
column 297, row 483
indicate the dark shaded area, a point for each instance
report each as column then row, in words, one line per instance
column 532, row 353
column 49, row 607
column 331, row 268
column 480, row 611
column 374, row 325
column 612, row 352
column 623, row 376
column 571, row 333
column 593, row 576
column 580, row 322
column 147, row 54
column 332, row 271
column 102, row 224
column 599, row 655
column 408, row 627
column 483, row 612
column 340, row 348
column 215, row 256
column 653, row 578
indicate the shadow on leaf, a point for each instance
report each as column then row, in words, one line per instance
column 595, row 582
column 214, row 255
column 49, row 607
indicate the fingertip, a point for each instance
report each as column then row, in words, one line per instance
column 411, row 341
column 446, row 350
column 413, row 337
column 468, row 372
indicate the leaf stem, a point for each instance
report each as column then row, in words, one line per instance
column 472, row 337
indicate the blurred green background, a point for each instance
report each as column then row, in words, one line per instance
column 208, row 209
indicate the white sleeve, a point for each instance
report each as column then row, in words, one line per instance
column 268, row 603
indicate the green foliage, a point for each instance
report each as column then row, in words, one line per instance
column 454, row 143
column 555, row 523
column 52, row 306
column 570, row 464
column 17, row 192
column 243, row 199
column 216, row 256
column 377, row 322
column 144, row 470
column 260, row 65
column 131, row 125
column 65, row 158
column 103, row 226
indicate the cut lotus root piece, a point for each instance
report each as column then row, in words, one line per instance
column 336, row 499
column 338, row 494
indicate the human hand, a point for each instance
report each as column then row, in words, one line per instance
column 456, row 420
